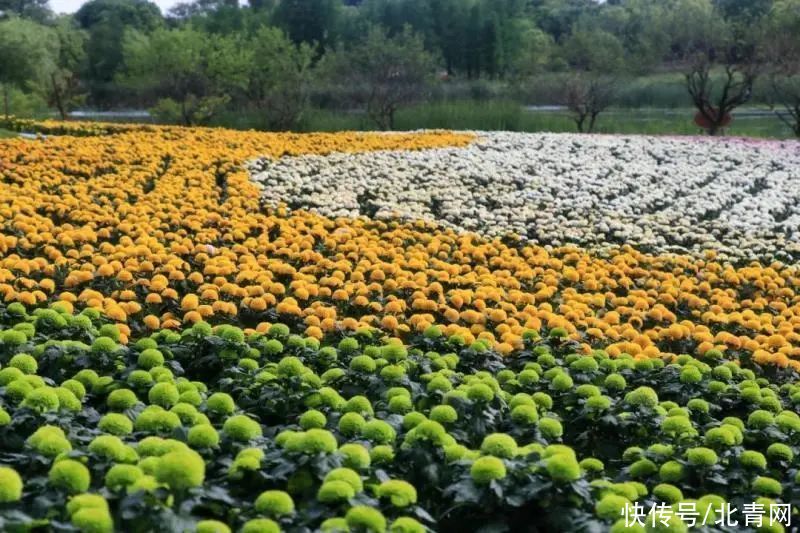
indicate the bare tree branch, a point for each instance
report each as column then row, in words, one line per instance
column 738, row 77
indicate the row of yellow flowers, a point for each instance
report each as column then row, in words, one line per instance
column 158, row 226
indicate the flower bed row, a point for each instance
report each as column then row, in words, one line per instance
column 218, row 429
column 186, row 239
column 655, row 193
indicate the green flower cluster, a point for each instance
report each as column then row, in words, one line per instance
column 272, row 431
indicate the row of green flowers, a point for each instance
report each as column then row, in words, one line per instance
column 212, row 430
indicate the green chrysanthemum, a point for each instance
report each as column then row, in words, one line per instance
column 86, row 501
column 363, row 363
column 163, row 394
column 42, row 400
column 335, row 492
column 379, row 432
column 677, row 425
column 351, row 424
column 70, row 475
column 701, row 456
column 358, row 404
column 486, row 469
column 480, row 392
column 10, row 485
column 115, row 424
column 121, row 476
column 24, row 362
column 400, row 493
column 668, row 493
column 181, row 470
column 778, row 451
column 108, row 446
column 313, row 419
column 382, row 454
column 406, row 524
column 274, row 503
column 241, row 428
column 760, row 419
column 347, row 475
column 611, row 506
column 355, row 456
column 261, row 525
column 643, row 396
column 563, row 468
column 550, row 428
column 50, row 441
column 316, row 441
column 643, row 468
column 212, row 526
column 150, row 358
column 444, row 414
column 93, row 520
column 499, row 445
column 753, row 459
column 590, row 464
column 220, row 403
column 767, row 486
column 203, row 436
column 363, row 518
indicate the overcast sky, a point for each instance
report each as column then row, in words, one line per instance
column 71, row 6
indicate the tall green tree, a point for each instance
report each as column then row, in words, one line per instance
column 716, row 96
column 213, row 16
column 279, row 76
column 557, row 17
column 448, row 26
column 534, row 54
column 594, row 50
column 639, row 26
column 62, row 85
column 309, row 21
column 383, row 73
column 189, row 72
column 743, row 11
column 692, row 25
column 597, row 58
column 27, row 50
column 781, row 48
column 106, row 21
column 36, row 10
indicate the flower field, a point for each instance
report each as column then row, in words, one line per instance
column 212, row 331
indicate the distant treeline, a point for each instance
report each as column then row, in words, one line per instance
column 275, row 57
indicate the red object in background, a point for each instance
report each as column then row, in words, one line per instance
column 703, row 122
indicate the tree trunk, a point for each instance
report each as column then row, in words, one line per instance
column 57, row 100
column 184, row 115
column 592, row 121
column 5, row 100
column 579, row 122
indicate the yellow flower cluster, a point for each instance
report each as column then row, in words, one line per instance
column 59, row 127
column 159, row 226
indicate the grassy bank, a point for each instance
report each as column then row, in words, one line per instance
column 509, row 116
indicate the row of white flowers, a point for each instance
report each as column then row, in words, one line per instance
column 657, row 193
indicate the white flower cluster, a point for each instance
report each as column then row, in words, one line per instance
column 659, row 194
